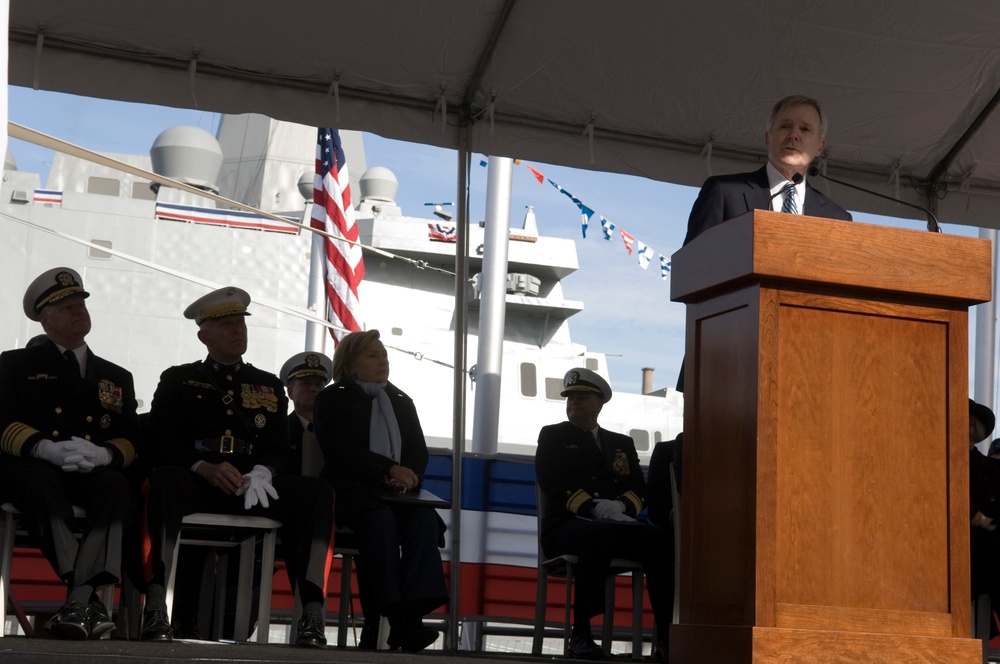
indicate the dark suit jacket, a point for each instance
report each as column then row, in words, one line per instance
column 341, row 420
column 40, row 398
column 295, row 432
column 572, row 472
column 724, row 197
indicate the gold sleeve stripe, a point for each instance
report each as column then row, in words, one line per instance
column 634, row 499
column 15, row 436
column 576, row 500
column 125, row 447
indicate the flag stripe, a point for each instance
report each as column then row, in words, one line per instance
column 332, row 211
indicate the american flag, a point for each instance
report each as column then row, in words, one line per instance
column 344, row 267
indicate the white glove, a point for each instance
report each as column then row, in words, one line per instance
column 607, row 509
column 63, row 454
column 621, row 517
column 257, row 487
column 93, row 455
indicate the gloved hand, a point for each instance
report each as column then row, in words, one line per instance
column 257, row 487
column 606, row 509
column 621, row 517
column 64, row 454
column 94, row 455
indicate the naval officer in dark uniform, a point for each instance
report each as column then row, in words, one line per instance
column 593, row 489
column 220, row 444
column 304, row 375
column 69, row 425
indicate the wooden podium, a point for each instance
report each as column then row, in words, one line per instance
column 825, row 489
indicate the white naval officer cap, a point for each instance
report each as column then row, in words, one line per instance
column 51, row 286
column 228, row 301
column 307, row 363
column 585, row 380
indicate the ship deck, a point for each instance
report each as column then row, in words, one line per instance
column 24, row 650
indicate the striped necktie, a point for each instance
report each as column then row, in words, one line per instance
column 790, row 206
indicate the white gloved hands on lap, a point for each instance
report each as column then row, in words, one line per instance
column 94, row 456
column 608, row 509
column 257, row 487
column 64, row 453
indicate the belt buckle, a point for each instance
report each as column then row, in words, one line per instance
column 227, row 444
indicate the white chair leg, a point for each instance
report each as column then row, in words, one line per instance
column 266, row 583
column 5, row 567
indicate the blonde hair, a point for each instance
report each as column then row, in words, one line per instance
column 348, row 350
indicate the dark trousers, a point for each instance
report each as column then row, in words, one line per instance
column 595, row 544
column 304, row 506
column 45, row 496
column 399, row 566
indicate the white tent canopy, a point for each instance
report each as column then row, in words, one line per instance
column 664, row 89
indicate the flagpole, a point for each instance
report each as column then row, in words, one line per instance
column 316, row 299
column 458, row 389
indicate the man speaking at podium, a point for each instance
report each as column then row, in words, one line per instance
column 796, row 135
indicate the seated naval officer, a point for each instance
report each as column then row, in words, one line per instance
column 220, row 444
column 304, row 375
column 69, row 426
column 593, row 489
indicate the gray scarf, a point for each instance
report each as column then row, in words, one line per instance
column 383, row 434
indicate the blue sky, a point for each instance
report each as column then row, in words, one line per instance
column 628, row 313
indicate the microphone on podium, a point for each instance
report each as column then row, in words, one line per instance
column 796, row 179
column 932, row 221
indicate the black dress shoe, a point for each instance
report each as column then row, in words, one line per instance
column 98, row 621
column 187, row 628
column 156, row 627
column 369, row 636
column 311, row 632
column 413, row 640
column 70, row 622
column 583, row 647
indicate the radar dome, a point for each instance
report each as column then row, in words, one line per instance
column 307, row 185
column 188, row 154
column 379, row 184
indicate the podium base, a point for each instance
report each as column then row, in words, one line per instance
column 724, row 644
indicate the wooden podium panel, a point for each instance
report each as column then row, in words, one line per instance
column 825, row 503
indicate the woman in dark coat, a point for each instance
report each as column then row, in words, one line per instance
column 374, row 448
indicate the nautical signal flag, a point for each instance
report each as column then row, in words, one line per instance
column 333, row 212
column 664, row 267
column 645, row 253
column 629, row 239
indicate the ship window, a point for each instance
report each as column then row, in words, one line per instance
column 141, row 191
column 103, row 186
column 641, row 438
column 529, row 380
column 592, row 363
column 397, row 331
column 553, row 388
column 97, row 253
column 657, row 436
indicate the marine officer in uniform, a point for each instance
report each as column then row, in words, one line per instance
column 304, row 375
column 220, row 444
column 68, row 426
column 593, row 489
